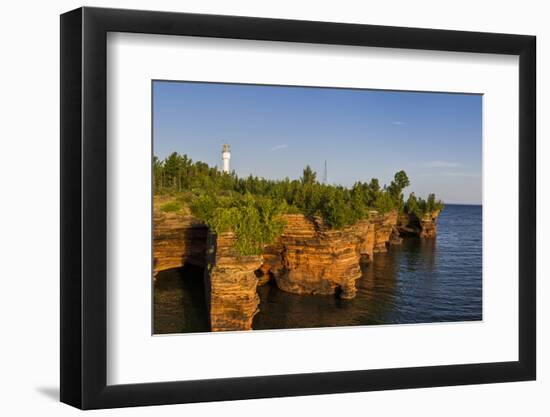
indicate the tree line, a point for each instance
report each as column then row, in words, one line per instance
column 251, row 205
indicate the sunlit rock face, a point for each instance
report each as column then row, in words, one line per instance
column 428, row 225
column 178, row 238
column 425, row 227
column 310, row 258
column 316, row 260
column 366, row 231
column 383, row 228
column 230, row 283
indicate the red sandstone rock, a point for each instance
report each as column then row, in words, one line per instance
column 384, row 225
column 366, row 246
column 230, row 283
column 428, row 227
column 395, row 237
column 310, row 258
column 425, row 228
column 178, row 238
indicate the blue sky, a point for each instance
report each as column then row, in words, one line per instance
column 274, row 132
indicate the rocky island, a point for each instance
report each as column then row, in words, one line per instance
column 303, row 236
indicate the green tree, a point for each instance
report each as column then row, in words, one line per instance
column 412, row 206
column 400, row 181
column 309, row 176
column 384, row 203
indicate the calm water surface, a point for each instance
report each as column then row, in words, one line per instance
column 420, row 281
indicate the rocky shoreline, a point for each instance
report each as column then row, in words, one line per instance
column 308, row 258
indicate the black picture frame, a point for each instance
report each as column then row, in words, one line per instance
column 84, row 207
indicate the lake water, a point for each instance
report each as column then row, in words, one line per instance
column 420, row 281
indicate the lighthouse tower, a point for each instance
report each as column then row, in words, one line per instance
column 226, row 156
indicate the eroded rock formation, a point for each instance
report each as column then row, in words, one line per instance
column 424, row 227
column 178, row 238
column 230, row 283
column 367, row 243
column 428, row 225
column 384, row 226
column 310, row 258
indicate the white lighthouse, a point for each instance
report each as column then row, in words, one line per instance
column 226, row 156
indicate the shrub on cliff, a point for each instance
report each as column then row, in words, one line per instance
column 419, row 207
column 412, row 206
column 384, row 203
column 171, row 206
column 255, row 221
column 396, row 187
column 433, row 205
column 334, row 210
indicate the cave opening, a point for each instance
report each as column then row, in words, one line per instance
column 180, row 304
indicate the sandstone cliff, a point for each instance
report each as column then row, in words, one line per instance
column 428, row 225
column 230, row 283
column 310, row 258
column 178, row 238
column 424, row 227
column 384, row 226
column 366, row 245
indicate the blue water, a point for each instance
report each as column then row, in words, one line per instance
column 420, row 281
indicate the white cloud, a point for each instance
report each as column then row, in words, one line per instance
column 442, row 164
column 398, row 123
column 278, row 147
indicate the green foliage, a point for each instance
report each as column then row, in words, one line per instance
column 419, row 207
column 384, row 203
column 255, row 221
column 433, row 205
column 171, row 206
column 309, row 176
column 400, row 181
column 412, row 206
column 251, row 207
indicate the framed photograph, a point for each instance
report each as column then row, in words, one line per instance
column 257, row 208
